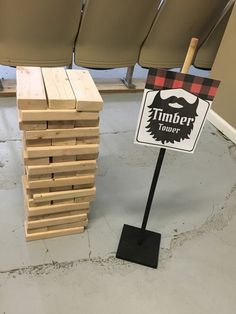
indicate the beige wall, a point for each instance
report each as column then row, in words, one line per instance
column 224, row 69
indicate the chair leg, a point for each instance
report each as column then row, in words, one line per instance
column 127, row 80
column 1, row 86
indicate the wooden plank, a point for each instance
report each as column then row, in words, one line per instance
column 32, row 125
column 83, row 207
column 85, row 165
column 59, row 227
column 36, row 161
column 37, row 143
column 42, row 197
column 62, row 133
column 88, row 140
column 30, row 91
column 85, row 90
column 51, row 151
column 87, row 157
column 28, row 201
column 55, row 115
column 46, row 222
column 52, row 233
column 65, row 124
column 58, row 89
column 87, row 123
column 60, row 182
column 57, row 215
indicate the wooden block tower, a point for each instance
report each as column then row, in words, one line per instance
column 59, row 117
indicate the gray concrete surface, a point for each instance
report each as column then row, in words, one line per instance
column 194, row 210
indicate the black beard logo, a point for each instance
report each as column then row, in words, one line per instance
column 169, row 123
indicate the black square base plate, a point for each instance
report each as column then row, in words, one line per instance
column 130, row 250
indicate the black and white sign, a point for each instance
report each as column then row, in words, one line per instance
column 171, row 118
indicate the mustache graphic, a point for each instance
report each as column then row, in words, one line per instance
column 179, row 100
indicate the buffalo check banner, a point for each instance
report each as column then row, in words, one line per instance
column 174, row 109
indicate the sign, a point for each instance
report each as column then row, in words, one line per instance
column 174, row 109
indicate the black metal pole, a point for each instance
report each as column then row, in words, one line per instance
column 151, row 194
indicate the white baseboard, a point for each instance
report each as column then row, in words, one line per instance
column 222, row 125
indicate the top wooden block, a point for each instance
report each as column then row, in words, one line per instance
column 85, row 90
column 30, row 89
column 58, row 89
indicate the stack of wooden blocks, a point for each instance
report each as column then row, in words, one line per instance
column 59, row 117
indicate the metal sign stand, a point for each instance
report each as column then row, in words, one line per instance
column 139, row 245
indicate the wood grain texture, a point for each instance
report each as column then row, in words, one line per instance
column 46, row 222
column 62, row 167
column 60, row 182
column 58, row 88
column 62, row 133
column 85, row 90
column 52, row 233
column 30, row 91
column 55, row 115
column 51, row 151
column 42, row 197
column 83, row 207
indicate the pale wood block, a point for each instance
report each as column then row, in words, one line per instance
column 53, row 151
column 37, row 143
column 43, row 197
column 31, row 125
column 31, row 192
column 87, row 123
column 60, row 125
column 39, row 177
column 82, row 199
column 86, row 166
column 88, row 140
column 63, row 159
column 64, row 142
column 83, row 186
column 85, row 90
column 61, row 188
column 28, row 199
column 82, row 223
column 53, row 221
column 60, row 182
column 56, row 115
column 87, row 157
column 62, row 133
column 58, row 88
column 30, row 91
column 58, row 227
column 36, row 161
column 78, row 207
column 72, row 200
column 52, row 233
column 57, row 215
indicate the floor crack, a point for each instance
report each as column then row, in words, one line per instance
column 89, row 245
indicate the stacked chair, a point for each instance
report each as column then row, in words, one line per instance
column 38, row 33
column 174, row 26
column 109, row 33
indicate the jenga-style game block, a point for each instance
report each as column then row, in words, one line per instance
column 59, row 117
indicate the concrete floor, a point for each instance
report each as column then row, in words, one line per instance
column 194, row 209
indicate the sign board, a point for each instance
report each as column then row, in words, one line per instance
column 174, row 109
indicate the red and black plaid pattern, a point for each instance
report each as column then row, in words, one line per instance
column 204, row 88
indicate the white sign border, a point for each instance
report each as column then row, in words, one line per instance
column 136, row 141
